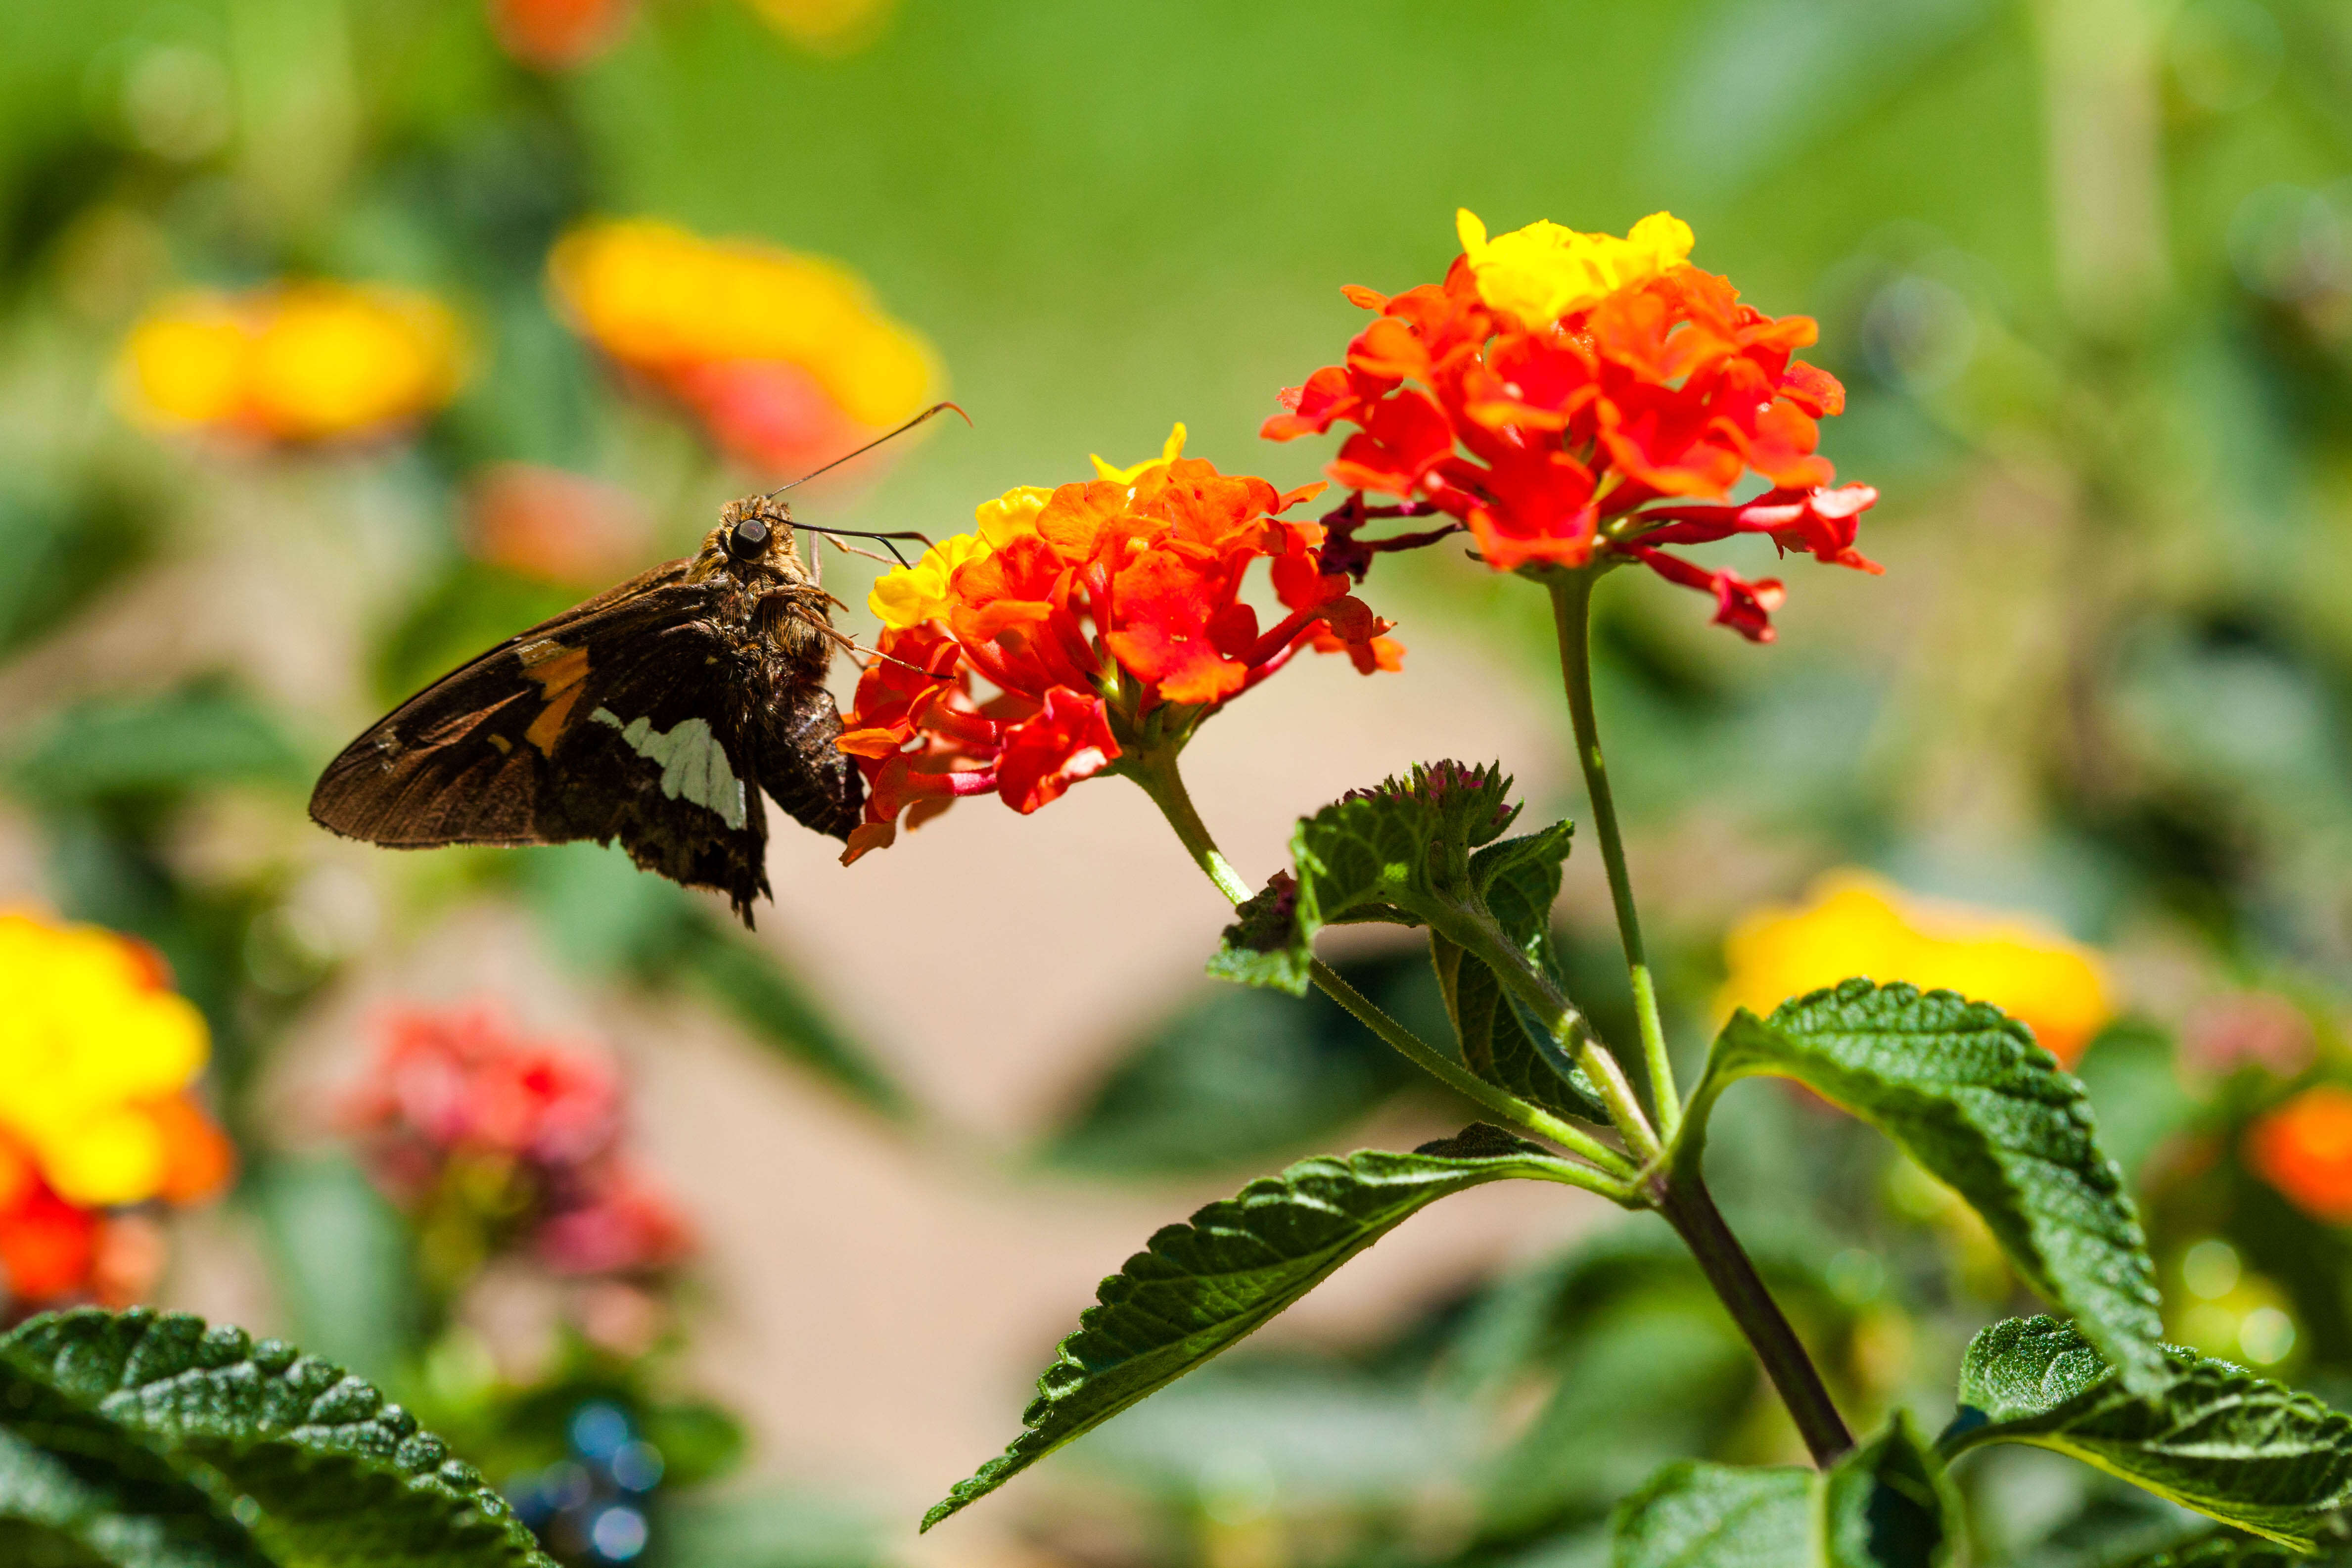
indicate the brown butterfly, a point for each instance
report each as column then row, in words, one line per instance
column 654, row 713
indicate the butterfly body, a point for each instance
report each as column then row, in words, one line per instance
column 654, row 714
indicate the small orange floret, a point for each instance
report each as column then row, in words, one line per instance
column 2305, row 1150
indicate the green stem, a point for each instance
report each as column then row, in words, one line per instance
column 1475, row 930
column 1571, row 599
column 1688, row 1206
column 1159, row 779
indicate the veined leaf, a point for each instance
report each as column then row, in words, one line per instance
column 1886, row 1505
column 1201, row 1286
column 317, row 1468
column 1369, row 856
column 2215, row 1437
column 1969, row 1096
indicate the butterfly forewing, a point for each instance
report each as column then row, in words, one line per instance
column 649, row 715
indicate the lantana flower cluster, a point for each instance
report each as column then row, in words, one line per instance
column 1076, row 625
column 99, row 1058
column 487, row 1135
column 786, row 360
column 1854, row 923
column 1563, row 393
column 292, row 363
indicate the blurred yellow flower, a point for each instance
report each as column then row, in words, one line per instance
column 97, row 1054
column 747, row 335
column 296, row 362
column 827, row 26
column 1539, row 273
column 1853, row 923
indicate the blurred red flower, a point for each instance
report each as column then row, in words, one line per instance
column 1108, row 615
column 528, row 1130
column 1557, row 384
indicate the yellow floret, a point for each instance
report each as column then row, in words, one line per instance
column 1542, row 272
column 1170, row 451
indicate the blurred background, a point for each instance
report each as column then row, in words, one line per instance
column 340, row 339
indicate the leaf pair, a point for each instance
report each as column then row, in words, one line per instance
column 1425, row 850
column 145, row 1440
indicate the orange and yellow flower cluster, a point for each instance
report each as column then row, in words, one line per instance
column 293, row 362
column 1106, row 615
column 1561, row 394
column 98, row 1057
column 1853, row 923
column 786, row 360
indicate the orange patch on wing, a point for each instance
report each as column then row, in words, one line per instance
column 545, row 729
column 559, row 671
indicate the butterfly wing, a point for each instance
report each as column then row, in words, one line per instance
column 633, row 717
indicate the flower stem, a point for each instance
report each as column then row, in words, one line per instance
column 1687, row 1205
column 1159, row 779
column 1571, row 599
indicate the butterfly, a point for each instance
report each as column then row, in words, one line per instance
column 654, row 714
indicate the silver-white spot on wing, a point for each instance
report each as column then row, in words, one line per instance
column 693, row 763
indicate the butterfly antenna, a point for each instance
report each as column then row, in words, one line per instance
column 932, row 412
column 864, row 533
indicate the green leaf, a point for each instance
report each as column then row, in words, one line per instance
column 74, row 1510
column 1886, row 1505
column 2232, row 1549
column 768, row 1001
column 319, row 1470
column 1201, row 1286
column 2213, row 1436
column 1968, row 1095
column 341, row 1260
column 769, row 1529
column 203, row 736
column 1518, row 879
column 1375, row 854
column 603, row 914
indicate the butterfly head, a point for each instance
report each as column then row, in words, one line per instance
column 754, row 539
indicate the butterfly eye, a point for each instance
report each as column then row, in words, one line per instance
column 750, row 538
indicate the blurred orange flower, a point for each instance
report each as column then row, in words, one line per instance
column 291, row 363
column 556, row 527
column 98, row 1059
column 556, row 35
column 1568, row 381
column 2305, row 1150
column 1107, row 615
column 787, row 359
column 1853, row 923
